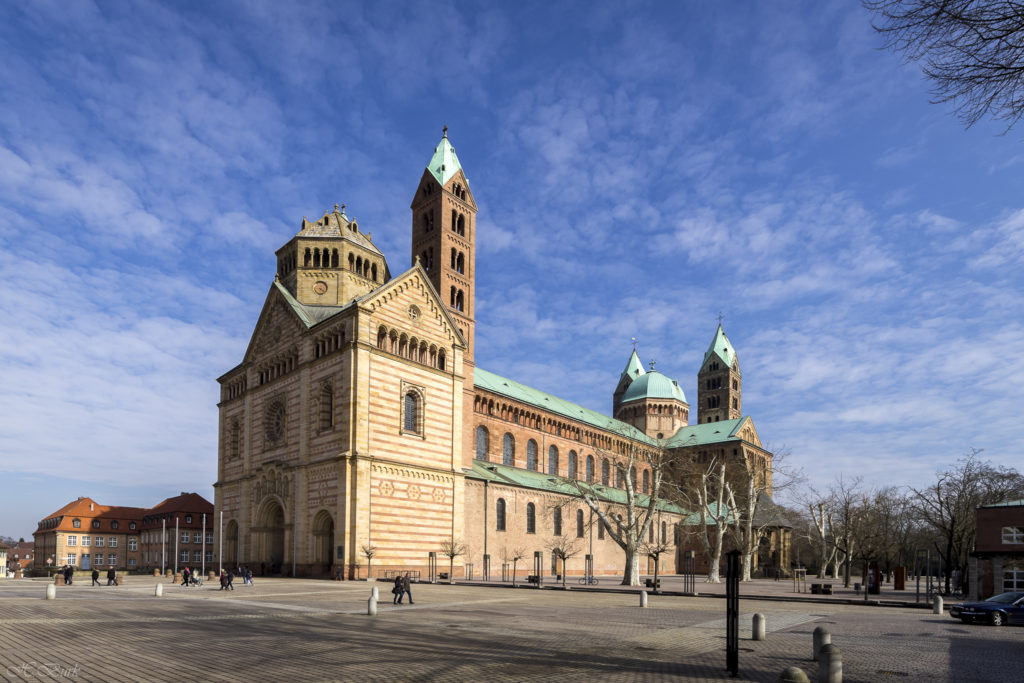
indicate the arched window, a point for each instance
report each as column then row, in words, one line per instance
column 440, row 359
column 351, row 261
column 552, row 460
column 605, row 472
column 647, row 481
column 412, row 422
column 373, row 271
column 334, row 258
column 499, row 515
column 316, row 258
column 664, row 535
column 531, row 455
column 481, row 442
column 460, row 264
column 619, row 484
column 459, row 301
column 579, row 524
column 326, row 407
column 508, row 450
column 558, row 521
column 590, row 469
column 461, row 225
column 451, row 298
column 308, row 258
column 531, row 518
column 632, row 478
column 455, row 215
column 359, row 265
column 572, row 464
column 453, row 258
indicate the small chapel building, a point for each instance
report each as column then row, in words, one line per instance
column 358, row 429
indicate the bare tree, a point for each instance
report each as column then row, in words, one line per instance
column 712, row 512
column 947, row 506
column 629, row 527
column 822, row 518
column 563, row 548
column 656, row 548
column 368, row 550
column 452, row 548
column 515, row 555
column 749, row 491
column 973, row 52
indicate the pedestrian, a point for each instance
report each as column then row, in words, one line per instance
column 230, row 584
column 223, row 581
column 111, row 577
column 184, row 577
column 95, row 578
column 407, row 587
column 69, row 574
column 397, row 591
column 248, row 576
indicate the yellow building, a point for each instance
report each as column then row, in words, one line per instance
column 357, row 426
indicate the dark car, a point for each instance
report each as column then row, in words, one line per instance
column 1005, row 608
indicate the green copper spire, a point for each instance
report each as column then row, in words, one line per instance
column 721, row 346
column 634, row 368
column 444, row 164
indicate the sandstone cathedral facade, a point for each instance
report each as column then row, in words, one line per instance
column 359, row 424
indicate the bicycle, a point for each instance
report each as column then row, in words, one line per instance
column 589, row 580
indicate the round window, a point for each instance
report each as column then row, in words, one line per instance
column 275, row 421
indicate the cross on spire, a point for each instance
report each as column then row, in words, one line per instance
column 720, row 317
column 652, row 361
column 445, row 131
column 634, row 343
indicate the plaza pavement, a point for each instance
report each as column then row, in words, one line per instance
column 308, row 630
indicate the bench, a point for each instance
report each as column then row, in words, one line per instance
column 443, row 576
column 651, row 583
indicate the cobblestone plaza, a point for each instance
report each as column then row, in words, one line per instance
column 293, row 629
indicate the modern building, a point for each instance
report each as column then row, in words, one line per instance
column 358, row 426
column 87, row 535
column 997, row 563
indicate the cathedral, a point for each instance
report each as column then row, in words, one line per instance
column 358, row 436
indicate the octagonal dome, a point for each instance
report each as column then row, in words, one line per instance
column 655, row 385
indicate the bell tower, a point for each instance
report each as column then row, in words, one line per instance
column 719, row 382
column 444, row 236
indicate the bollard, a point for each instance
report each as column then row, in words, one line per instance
column 159, row 590
column 822, row 637
column 643, row 598
column 371, row 606
column 794, row 674
column 758, row 627
column 937, row 605
column 374, row 593
column 51, row 591
column 830, row 665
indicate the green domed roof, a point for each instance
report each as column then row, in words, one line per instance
column 653, row 384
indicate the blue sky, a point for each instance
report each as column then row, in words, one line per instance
column 639, row 167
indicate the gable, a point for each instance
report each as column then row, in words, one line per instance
column 410, row 303
column 277, row 328
column 747, row 432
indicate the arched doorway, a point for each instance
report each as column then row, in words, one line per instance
column 323, row 541
column 270, row 531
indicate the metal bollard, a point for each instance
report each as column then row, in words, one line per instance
column 830, row 665
column 643, row 598
column 822, row 637
column 937, row 605
column 51, row 591
column 159, row 590
column 758, row 627
column 374, row 593
column 794, row 674
column 371, row 606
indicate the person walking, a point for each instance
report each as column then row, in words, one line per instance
column 223, row 580
column 407, row 587
column 184, row 577
column 230, row 581
column 397, row 591
column 69, row 574
column 95, row 578
column 111, row 577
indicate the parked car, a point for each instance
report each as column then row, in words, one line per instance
column 1005, row 608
